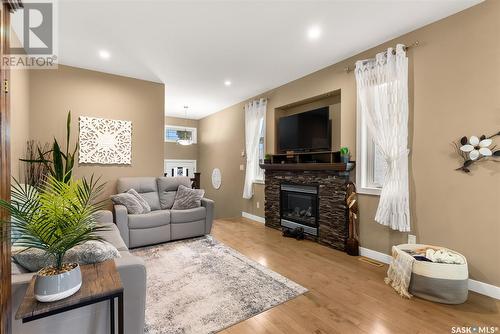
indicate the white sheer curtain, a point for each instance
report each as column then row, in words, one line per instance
column 255, row 112
column 382, row 87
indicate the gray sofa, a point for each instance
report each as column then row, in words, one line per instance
column 162, row 223
column 92, row 319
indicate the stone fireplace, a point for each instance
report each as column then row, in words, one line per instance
column 312, row 199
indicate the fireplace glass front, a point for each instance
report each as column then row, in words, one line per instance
column 299, row 207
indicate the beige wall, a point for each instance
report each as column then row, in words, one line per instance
column 19, row 120
column 454, row 91
column 19, row 116
column 96, row 94
column 175, row 151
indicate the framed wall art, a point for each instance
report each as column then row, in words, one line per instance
column 105, row 141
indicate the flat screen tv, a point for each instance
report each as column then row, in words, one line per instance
column 305, row 132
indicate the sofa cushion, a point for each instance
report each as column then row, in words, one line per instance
column 129, row 201
column 188, row 230
column 167, row 188
column 112, row 235
column 144, row 204
column 149, row 236
column 187, row 216
column 146, row 186
column 17, row 269
column 187, row 198
column 148, row 220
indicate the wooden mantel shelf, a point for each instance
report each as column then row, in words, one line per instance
column 339, row 167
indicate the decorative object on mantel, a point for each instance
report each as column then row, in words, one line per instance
column 216, row 178
column 382, row 92
column 345, row 157
column 105, row 141
column 352, row 244
column 475, row 149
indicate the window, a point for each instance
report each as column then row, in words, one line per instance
column 262, row 148
column 371, row 166
column 173, row 133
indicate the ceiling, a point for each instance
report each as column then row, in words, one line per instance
column 193, row 47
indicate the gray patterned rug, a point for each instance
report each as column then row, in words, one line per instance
column 202, row 286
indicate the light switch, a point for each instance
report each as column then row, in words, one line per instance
column 258, row 204
column 242, row 167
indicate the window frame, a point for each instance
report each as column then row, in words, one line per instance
column 180, row 128
column 365, row 159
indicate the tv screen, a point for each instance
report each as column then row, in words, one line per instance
column 307, row 131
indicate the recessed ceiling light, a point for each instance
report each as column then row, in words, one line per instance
column 227, row 83
column 104, row 54
column 314, row 32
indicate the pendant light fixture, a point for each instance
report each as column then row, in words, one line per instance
column 184, row 136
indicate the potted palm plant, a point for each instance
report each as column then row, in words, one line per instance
column 54, row 218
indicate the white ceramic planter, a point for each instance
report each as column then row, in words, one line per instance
column 57, row 287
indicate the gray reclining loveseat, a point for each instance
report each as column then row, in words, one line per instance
column 162, row 223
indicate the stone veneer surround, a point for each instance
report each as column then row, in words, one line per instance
column 333, row 214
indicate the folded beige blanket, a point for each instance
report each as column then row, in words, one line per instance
column 399, row 273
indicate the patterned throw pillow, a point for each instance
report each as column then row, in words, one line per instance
column 129, row 201
column 187, row 198
column 89, row 252
column 145, row 206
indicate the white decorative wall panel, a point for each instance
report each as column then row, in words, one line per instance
column 105, row 141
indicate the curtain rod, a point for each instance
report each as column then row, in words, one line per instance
column 265, row 98
column 413, row 45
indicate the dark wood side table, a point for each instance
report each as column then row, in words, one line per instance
column 100, row 282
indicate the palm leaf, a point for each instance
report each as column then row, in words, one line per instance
column 56, row 217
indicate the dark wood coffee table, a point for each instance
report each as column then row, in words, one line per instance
column 100, row 282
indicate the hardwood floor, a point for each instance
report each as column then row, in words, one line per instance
column 345, row 295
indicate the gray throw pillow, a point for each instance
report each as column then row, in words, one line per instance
column 167, row 188
column 187, row 198
column 145, row 206
column 129, row 201
column 33, row 259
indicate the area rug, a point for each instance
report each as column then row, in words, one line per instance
column 202, row 286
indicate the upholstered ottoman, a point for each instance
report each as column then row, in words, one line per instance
column 438, row 282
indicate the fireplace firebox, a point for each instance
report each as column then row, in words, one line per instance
column 299, row 207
